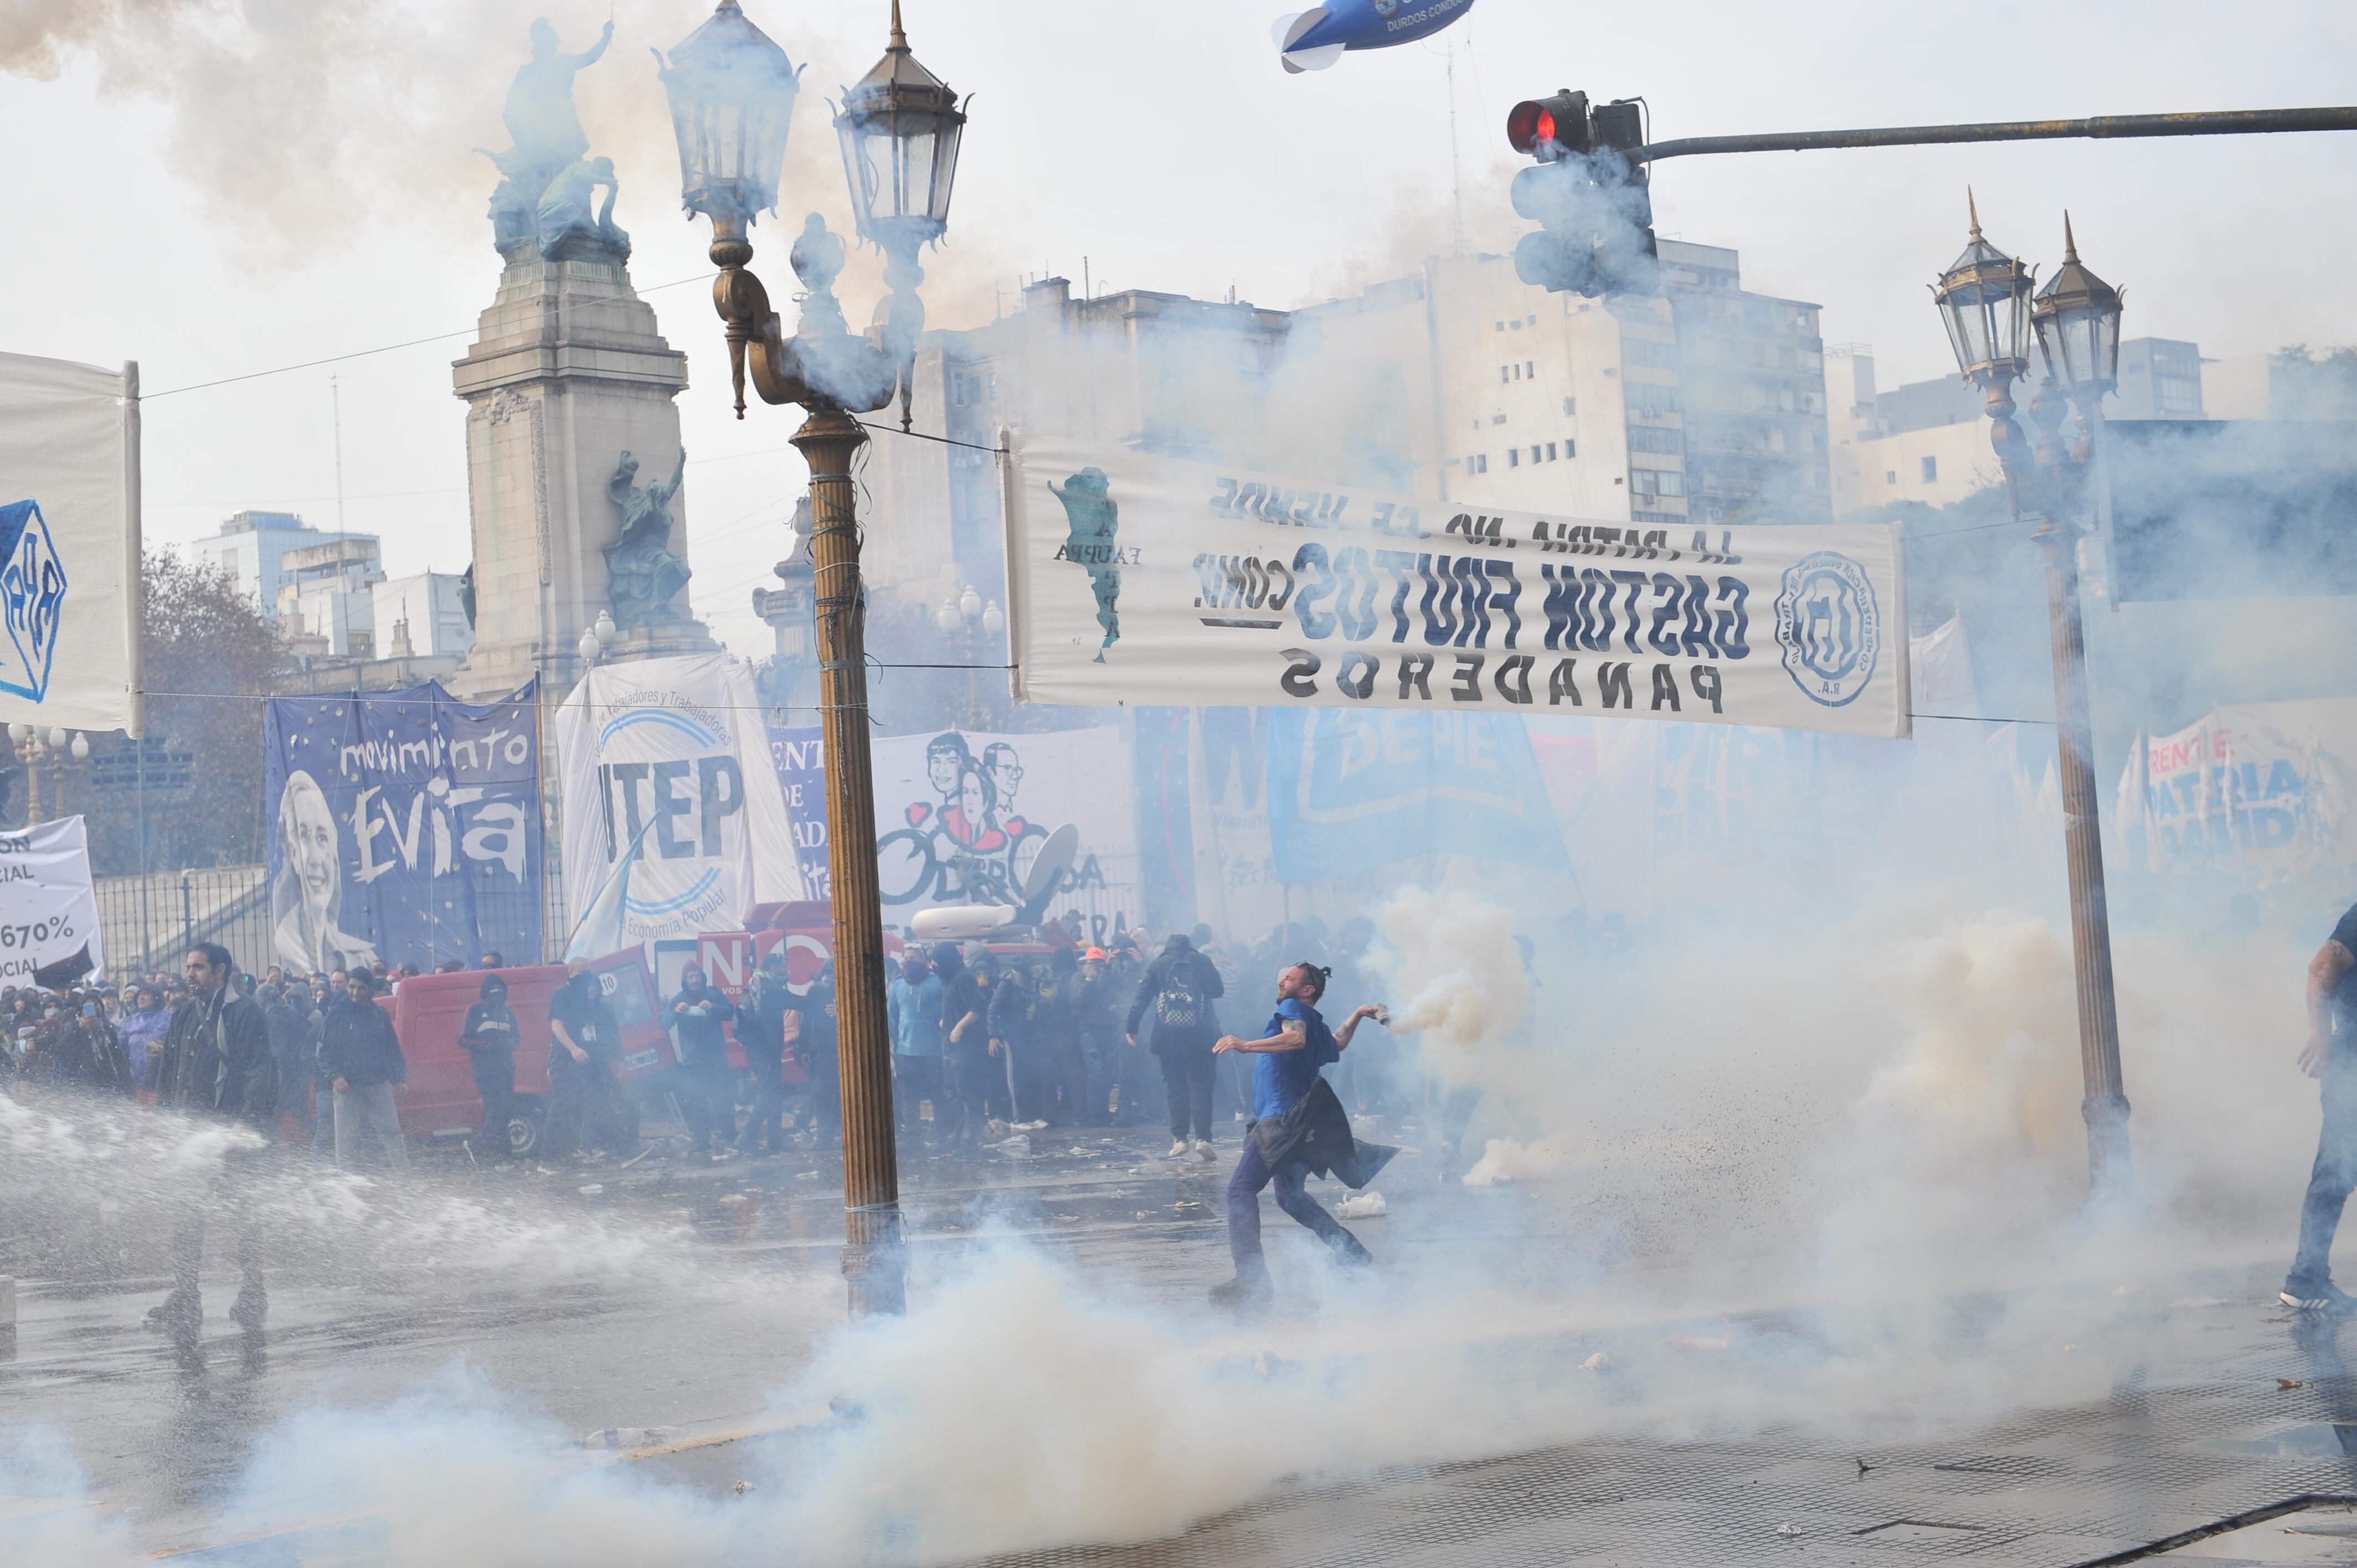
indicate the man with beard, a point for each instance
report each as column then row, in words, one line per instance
column 215, row 1065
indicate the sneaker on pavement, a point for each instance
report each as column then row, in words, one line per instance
column 250, row 1309
column 1178, row 1150
column 2318, row 1295
column 175, row 1312
column 1203, row 1151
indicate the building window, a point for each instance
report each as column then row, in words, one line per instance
column 1482, row 464
column 1550, row 451
column 1517, row 324
column 1531, row 367
column 1569, row 450
column 1513, row 457
column 1503, row 376
column 1501, row 326
column 1497, row 419
column 1931, row 470
column 1570, row 406
column 1889, row 476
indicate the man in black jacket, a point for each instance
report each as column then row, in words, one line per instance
column 707, row 1089
column 362, row 1055
column 216, row 1065
column 816, row 1049
column 489, row 1037
column 1178, row 989
column 585, row 1043
column 761, row 1030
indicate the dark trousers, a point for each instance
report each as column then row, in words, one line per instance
column 581, row 1104
column 1292, row 1181
column 495, row 1082
column 707, row 1098
column 916, row 1079
column 766, row 1127
column 824, row 1066
column 1066, row 1068
column 225, row 1195
column 1187, row 1079
column 2335, row 1176
column 970, row 1076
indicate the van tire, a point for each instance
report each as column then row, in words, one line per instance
column 527, row 1124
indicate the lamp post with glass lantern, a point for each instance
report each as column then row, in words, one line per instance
column 1986, row 300
column 38, row 749
column 732, row 95
column 964, row 620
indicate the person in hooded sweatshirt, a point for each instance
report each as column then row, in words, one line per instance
column 362, row 1055
column 489, row 1037
column 707, row 1089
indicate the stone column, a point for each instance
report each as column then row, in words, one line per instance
column 567, row 373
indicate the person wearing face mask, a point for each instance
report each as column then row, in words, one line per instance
column 584, row 1045
column 364, row 1064
column 489, row 1036
column 707, row 1088
column 761, row 1030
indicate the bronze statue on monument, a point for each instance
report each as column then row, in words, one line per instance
column 643, row 575
column 549, row 179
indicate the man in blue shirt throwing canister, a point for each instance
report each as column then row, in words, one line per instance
column 1298, row 1131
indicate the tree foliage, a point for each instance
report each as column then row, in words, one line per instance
column 209, row 657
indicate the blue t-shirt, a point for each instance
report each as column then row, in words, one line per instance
column 1281, row 1078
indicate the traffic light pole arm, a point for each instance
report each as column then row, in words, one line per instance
column 2229, row 122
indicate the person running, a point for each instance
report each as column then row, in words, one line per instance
column 1298, row 1130
column 2329, row 1054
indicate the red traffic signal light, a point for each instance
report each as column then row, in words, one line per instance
column 1547, row 128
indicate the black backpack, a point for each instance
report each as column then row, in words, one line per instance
column 1180, row 1004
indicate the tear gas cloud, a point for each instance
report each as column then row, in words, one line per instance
column 1828, row 1063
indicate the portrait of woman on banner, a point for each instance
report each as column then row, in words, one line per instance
column 308, row 895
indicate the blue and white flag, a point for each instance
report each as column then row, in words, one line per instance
column 405, row 826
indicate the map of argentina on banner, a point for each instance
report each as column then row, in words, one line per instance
column 1142, row 580
column 69, row 584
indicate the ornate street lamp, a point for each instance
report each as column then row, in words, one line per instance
column 2077, row 319
column 900, row 128
column 1984, row 298
column 732, row 93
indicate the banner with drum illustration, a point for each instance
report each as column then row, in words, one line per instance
column 1141, row 580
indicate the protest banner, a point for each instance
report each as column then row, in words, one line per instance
column 671, row 756
column 405, row 826
column 49, row 911
column 70, row 604
column 1141, row 580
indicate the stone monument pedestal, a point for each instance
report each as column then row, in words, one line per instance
column 566, row 374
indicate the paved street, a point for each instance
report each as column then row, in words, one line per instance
column 674, row 1304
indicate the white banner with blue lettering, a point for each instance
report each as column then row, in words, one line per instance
column 1135, row 579
column 671, row 757
column 49, row 911
column 69, row 588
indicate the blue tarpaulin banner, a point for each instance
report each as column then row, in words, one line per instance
column 405, row 826
column 1349, row 790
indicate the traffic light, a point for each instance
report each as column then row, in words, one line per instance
column 1593, row 205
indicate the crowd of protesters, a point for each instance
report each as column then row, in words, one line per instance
column 986, row 1044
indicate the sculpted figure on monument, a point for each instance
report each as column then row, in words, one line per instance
column 643, row 575
column 565, row 210
column 548, row 137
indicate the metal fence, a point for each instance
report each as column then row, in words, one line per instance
column 149, row 922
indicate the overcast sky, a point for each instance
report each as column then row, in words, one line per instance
column 217, row 197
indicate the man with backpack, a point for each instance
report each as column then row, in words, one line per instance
column 1177, row 990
